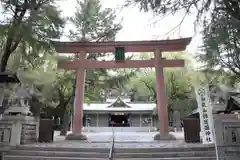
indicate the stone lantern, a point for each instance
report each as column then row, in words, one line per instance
column 17, row 125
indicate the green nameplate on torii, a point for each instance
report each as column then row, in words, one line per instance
column 119, row 54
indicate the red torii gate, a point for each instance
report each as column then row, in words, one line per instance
column 80, row 65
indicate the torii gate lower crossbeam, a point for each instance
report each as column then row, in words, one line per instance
column 158, row 62
column 94, row 64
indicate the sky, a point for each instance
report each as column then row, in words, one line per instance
column 144, row 26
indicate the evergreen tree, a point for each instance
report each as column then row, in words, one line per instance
column 27, row 25
column 203, row 7
column 93, row 22
column 25, row 30
column 221, row 42
column 221, row 25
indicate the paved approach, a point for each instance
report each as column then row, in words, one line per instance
column 121, row 136
column 123, row 140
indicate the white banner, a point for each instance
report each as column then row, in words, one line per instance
column 205, row 114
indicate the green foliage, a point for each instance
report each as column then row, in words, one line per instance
column 53, row 85
column 220, row 34
column 178, row 84
column 168, row 7
column 219, row 77
column 68, row 108
column 27, row 28
column 94, row 23
column 221, row 42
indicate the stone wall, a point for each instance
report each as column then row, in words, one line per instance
column 227, row 130
column 18, row 129
column 229, row 152
column 5, row 132
column 28, row 133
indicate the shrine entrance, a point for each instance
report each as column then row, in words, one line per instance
column 119, row 49
column 119, row 120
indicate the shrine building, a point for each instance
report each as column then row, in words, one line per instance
column 119, row 112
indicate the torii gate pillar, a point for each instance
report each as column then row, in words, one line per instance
column 78, row 103
column 161, row 100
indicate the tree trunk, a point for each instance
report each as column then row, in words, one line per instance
column 2, row 108
column 66, row 118
column 1, row 95
column 4, row 60
column 67, row 115
column 1, row 98
column 66, row 122
column 105, row 95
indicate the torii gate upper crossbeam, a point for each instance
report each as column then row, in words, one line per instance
column 129, row 46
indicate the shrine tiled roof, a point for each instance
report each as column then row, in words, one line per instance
column 119, row 105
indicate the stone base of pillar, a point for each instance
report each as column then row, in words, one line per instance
column 164, row 136
column 76, row 136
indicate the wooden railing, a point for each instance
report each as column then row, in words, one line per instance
column 111, row 151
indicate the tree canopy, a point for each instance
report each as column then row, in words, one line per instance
column 28, row 26
column 220, row 21
column 221, row 41
column 179, row 84
column 203, row 7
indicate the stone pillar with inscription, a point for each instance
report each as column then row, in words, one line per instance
column 18, row 125
column 225, row 125
column 205, row 114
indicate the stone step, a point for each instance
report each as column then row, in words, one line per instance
column 57, row 154
column 118, row 150
column 73, row 158
column 149, row 150
column 67, row 153
column 116, row 155
column 17, row 157
column 166, row 154
column 62, row 149
column 172, row 158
